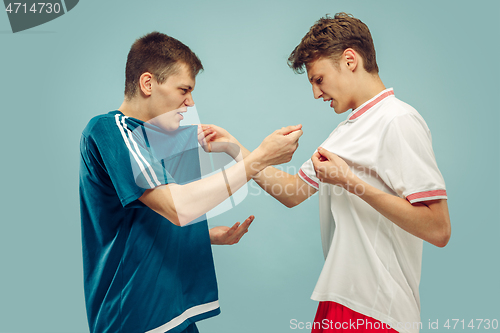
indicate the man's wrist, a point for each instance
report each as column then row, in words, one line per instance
column 232, row 151
column 213, row 240
column 233, row 147
column 255, row 162
column 240, row 149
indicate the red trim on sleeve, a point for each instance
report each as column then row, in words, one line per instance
column 371, row 104
column 428, row 194
column 309, row 180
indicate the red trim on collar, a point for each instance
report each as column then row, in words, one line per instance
column 370, row 104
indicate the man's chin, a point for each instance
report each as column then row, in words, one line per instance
column 170, row 127
column 166, row 126
column 339, row 110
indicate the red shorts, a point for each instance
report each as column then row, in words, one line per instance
column 333, row 317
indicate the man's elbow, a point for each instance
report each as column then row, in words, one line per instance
column 160, row 201
column 174, row 218
column 183, row 219
column 172, row 215
column 175, row 221
column 292, row 201
column 443, row 240
column 442, row 236
column 179, row 217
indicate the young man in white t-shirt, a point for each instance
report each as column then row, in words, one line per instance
column 380, row 190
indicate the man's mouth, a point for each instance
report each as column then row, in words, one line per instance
column 180, row 111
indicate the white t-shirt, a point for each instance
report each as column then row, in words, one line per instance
column 372, row 266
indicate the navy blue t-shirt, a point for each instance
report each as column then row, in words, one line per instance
column 142, row 273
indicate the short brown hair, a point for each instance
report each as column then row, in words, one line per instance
column 328, row 38
column 159, row 55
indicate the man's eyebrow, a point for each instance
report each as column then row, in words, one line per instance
column 187, row 85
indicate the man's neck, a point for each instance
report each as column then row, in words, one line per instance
column 134, row 108
column 369, row 87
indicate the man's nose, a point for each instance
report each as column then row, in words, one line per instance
column 317, row 92
column 189, row 101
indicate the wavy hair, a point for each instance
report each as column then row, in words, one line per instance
column 329, row 37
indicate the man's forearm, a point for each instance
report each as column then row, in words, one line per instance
column 182, row 204
column 197, row 198
column 288, row 189
column 428, row 221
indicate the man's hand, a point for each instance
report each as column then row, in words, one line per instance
column 279, row 147
column 205, row 135
column 229, row 236
column 333, row 170
column 216, row 139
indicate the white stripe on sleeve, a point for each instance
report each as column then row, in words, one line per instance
column 127, row 143
column 157, row 182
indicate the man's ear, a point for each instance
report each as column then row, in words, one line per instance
column 145, row 83
column 350, row 58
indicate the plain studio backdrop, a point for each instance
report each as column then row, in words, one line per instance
column 441, row 57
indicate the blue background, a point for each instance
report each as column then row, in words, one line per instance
column 441, row 57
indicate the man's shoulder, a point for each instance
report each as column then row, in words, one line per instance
column 395, row 109
column 100, row 122
column 403, row 117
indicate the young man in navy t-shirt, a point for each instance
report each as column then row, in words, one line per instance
column 147, row 257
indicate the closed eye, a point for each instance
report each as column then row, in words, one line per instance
column 319, row 80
